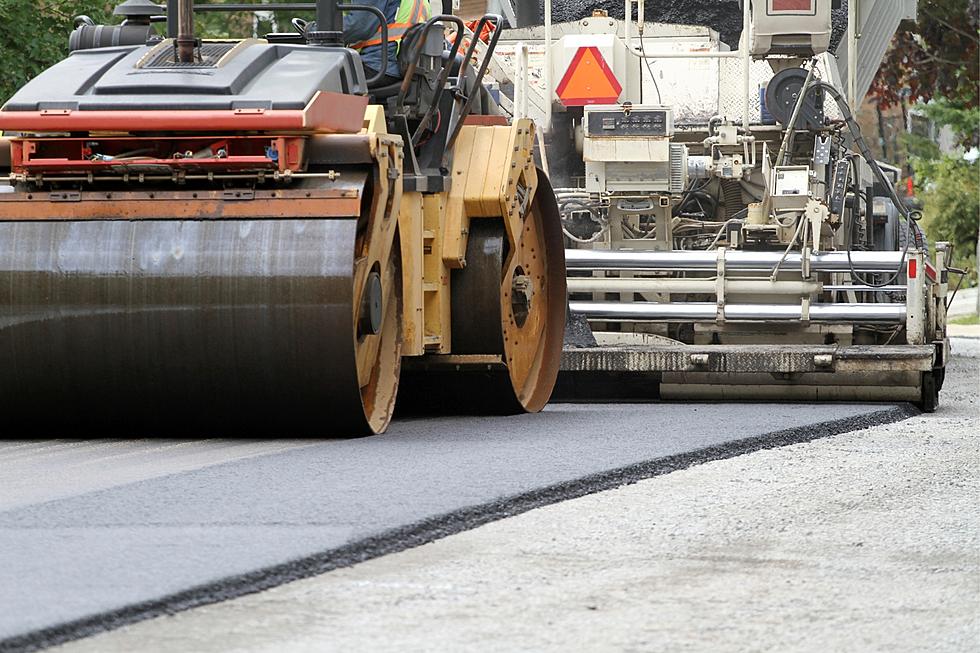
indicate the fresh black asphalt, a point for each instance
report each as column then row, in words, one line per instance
column 78, row 565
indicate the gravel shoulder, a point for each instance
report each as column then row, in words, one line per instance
column 864, row 541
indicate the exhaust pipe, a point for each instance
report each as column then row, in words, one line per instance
column 329, row 24
column 328, row 17
column 186, row 42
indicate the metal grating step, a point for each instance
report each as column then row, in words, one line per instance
column 206, row 56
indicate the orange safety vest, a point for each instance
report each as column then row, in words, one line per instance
column 410, row 13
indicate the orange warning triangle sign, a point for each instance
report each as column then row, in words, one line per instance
column 589, row 80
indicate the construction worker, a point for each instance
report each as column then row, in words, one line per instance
column 363, row 34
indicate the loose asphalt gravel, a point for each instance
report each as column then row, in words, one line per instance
column 76, row 565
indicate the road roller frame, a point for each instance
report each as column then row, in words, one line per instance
column 272, row 267
column 496, row 186
column 493, row 165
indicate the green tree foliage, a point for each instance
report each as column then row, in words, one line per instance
column 934, row 63
column 243, row 24
column 949, row 185
column 34, row 35
column 952, row 204
column 934, row 57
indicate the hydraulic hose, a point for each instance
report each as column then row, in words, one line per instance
column 865, row 151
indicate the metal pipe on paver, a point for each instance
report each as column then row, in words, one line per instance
column 649, row 311
column 860, row 288
column 582, row 259
column 699, row 286
column 627, row 22
column 818, row 312
column 689, row 55
column 852, row 36
column 710, row 286
column 522, row 85
column 549, row 91
column 746, row 61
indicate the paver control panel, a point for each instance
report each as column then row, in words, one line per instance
column 619, row 122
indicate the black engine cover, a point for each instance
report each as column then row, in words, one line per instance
column 249, row 75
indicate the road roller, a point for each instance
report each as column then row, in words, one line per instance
column 257, row 236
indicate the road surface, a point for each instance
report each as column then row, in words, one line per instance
column 200, row 521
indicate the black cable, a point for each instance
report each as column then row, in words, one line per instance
column 653, row 78
column 865, row 151
column 701, row 195
column 583, row 205
column 687, row 194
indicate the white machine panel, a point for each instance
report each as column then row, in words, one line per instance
column 628, row 149
column 799, row 28
column 791, row 188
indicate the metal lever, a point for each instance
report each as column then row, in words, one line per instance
column 478, row 82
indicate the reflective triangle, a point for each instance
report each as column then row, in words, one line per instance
column 589, row 80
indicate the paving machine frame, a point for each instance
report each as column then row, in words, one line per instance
column 251, row 237
column 730, row 255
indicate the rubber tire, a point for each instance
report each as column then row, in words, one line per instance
column 903, row 235
column 566, row 163
column 930, row 393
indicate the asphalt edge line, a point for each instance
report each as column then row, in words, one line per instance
column 437, row 528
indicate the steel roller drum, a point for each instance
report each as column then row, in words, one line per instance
column 181, row 327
